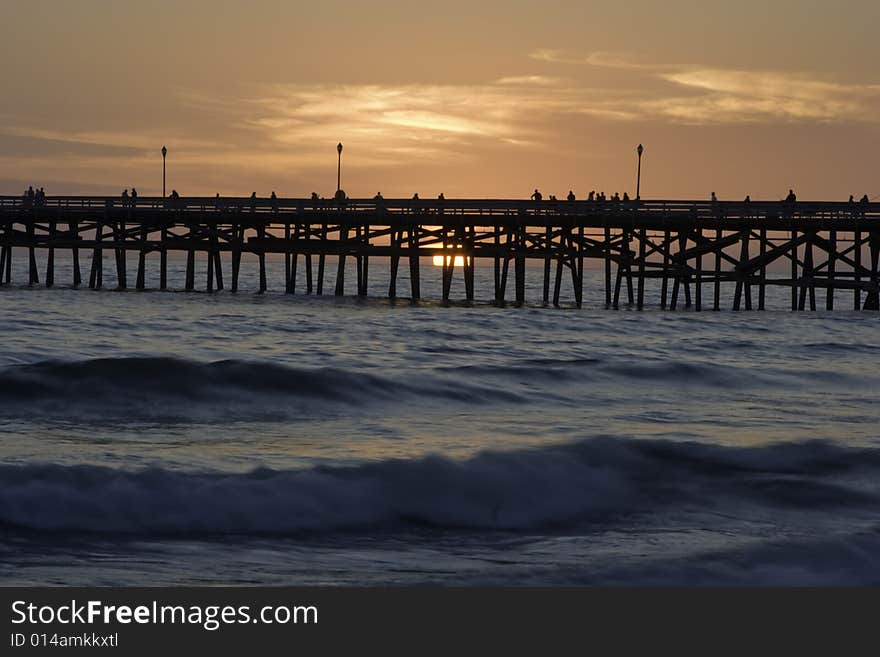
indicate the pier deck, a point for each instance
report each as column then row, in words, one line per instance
column 692, row 247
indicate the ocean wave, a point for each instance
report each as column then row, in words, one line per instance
column 554, row 488
column 137, row 385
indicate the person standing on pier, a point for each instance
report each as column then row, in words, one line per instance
column 274, row 200
column 571, row 195
column 792, row 197
column 537, row 196
column 253, row 202
column 134, row 197
column 125, row 198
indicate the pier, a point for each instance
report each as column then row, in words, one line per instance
column 826, row 252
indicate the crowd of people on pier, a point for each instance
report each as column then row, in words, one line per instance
column 600, row 197
column 592, row 197
column 31, row 197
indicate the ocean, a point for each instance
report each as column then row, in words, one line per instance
column 163, row 438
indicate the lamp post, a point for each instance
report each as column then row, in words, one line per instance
column 164, row 153
column 338, row 167
column 639, row 150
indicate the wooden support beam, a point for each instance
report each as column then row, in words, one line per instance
column 499, row 296
column 209, row 283
column 716, row 305
column 643, row 238
column 340, row 267
column 607, row 250
column 469, row 264
column 287, row 280
column 163, row 261
column 857, row 255
column 793, row 254
column 34, row 275
column 629, row 279
column 448, row 264
column 743, row 274
column 50, row 257
column 365, row 273
column 396, row 239
column 560, row 263
column 832, row 259
column 520, row 267
column 807, row 284
column 140, row 283
column 308, row 259
column 218, row 266
column 872, row 298
column 579, row 287
column 261, row 234
column 119, row 238
column 664, row 285
column 190, row 283
column 548, row 241
column 698, row 283
column 96, row 275
column 762, row 271
column 414, row 263
column 321, row 261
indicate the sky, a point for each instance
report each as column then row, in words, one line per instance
column 478, row 99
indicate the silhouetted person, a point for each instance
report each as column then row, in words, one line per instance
column 591, row 196
column 625, row 197
column 537, row 196
column 571, row 195
column 378, row 197
column 31, row 195
column 713, row 198
column 865, row 200
column 852, row 199
column 747, row 199
column 124, row 197
column 792, row 197
column 134, row 196
column 218, row 204
column 616, row 197
column 441, row 197
column 274, row 199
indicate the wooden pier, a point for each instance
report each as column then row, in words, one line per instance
column 691, row 247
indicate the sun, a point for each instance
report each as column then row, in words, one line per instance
column 438, row 260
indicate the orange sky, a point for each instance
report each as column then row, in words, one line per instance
column 469, row 98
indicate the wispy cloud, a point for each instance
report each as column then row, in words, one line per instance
column 699, row 95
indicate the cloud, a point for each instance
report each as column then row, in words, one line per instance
column 699, row 95
column 261, row 129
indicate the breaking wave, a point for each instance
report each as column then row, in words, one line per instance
column 561, row 487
